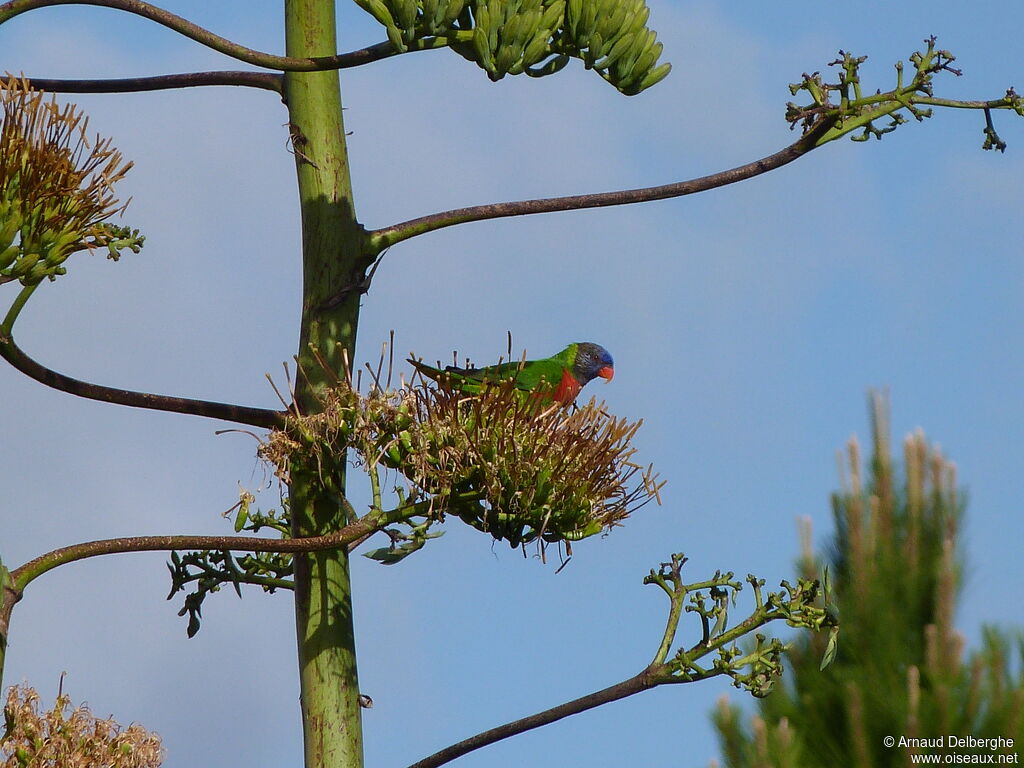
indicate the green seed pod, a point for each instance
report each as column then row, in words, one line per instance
column 530, row 28
column 9, row 229
column 639, row 21
column 431, row 9
column 482, row 50
column 452, row 11
column 653, row 77
column 505, row 58
column 23, row 265
column 626, row 28
column 624, row 71
column 8, row 256
column 628, row 45
column 380, row 12
column 611, row 67
column 553, row 16
column 510, row 29
column 573, row 12
column 35, row 275
column 243, row 515
column 645, row 62
column 61, row 248
column 404, row 13
column 395, row 38
column 611, row 19
column 611, row 16
column 497, row 12
column 482, row 18
column 537, row 48
column 589, row 55
column 586, row 24
column 622, row 45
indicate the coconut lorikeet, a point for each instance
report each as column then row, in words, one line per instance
column 559, row 377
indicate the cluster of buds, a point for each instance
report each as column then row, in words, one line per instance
column 501, row 461
column 56, row 186
column 858, row 111
column 535, row 37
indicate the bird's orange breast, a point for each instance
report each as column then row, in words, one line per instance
column 567, row 390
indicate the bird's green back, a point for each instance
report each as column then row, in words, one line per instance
column 531, row 375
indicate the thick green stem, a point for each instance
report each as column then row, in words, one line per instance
column 19, row 304
column 671, row 626
column 334, row 261
column 8, row 597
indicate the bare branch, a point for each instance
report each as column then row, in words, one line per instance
column 265, row 80
column 633, row 685
column 349, row 537
column 220, row 44
column 388, row 236
column 257, row 417
column 755, row 671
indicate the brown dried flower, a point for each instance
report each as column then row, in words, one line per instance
column 55, row 739
column 56, row 186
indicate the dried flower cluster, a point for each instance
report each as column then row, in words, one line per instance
column 499, row 460
column 54, row 739
column 56, row 186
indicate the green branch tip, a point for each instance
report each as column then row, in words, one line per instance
column 756, row 670
column 857, row 115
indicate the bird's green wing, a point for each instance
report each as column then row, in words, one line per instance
column 537, row 375
column 530, row 376
column 533, row 375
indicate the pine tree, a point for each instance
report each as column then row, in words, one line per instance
column 901, row 670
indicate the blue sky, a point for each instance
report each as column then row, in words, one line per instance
column 746, row 323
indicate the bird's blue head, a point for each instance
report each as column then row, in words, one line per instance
column 592, row 360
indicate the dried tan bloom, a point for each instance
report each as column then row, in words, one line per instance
column 56, row 185
column 54, row 739
column 498, row 460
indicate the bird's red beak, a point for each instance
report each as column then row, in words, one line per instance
column 607, row 373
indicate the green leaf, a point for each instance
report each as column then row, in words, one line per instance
column 723, row 617
column 831, row 648
column 392, row 555
column 243, row 513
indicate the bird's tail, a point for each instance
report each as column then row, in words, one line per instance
column 427, row 370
